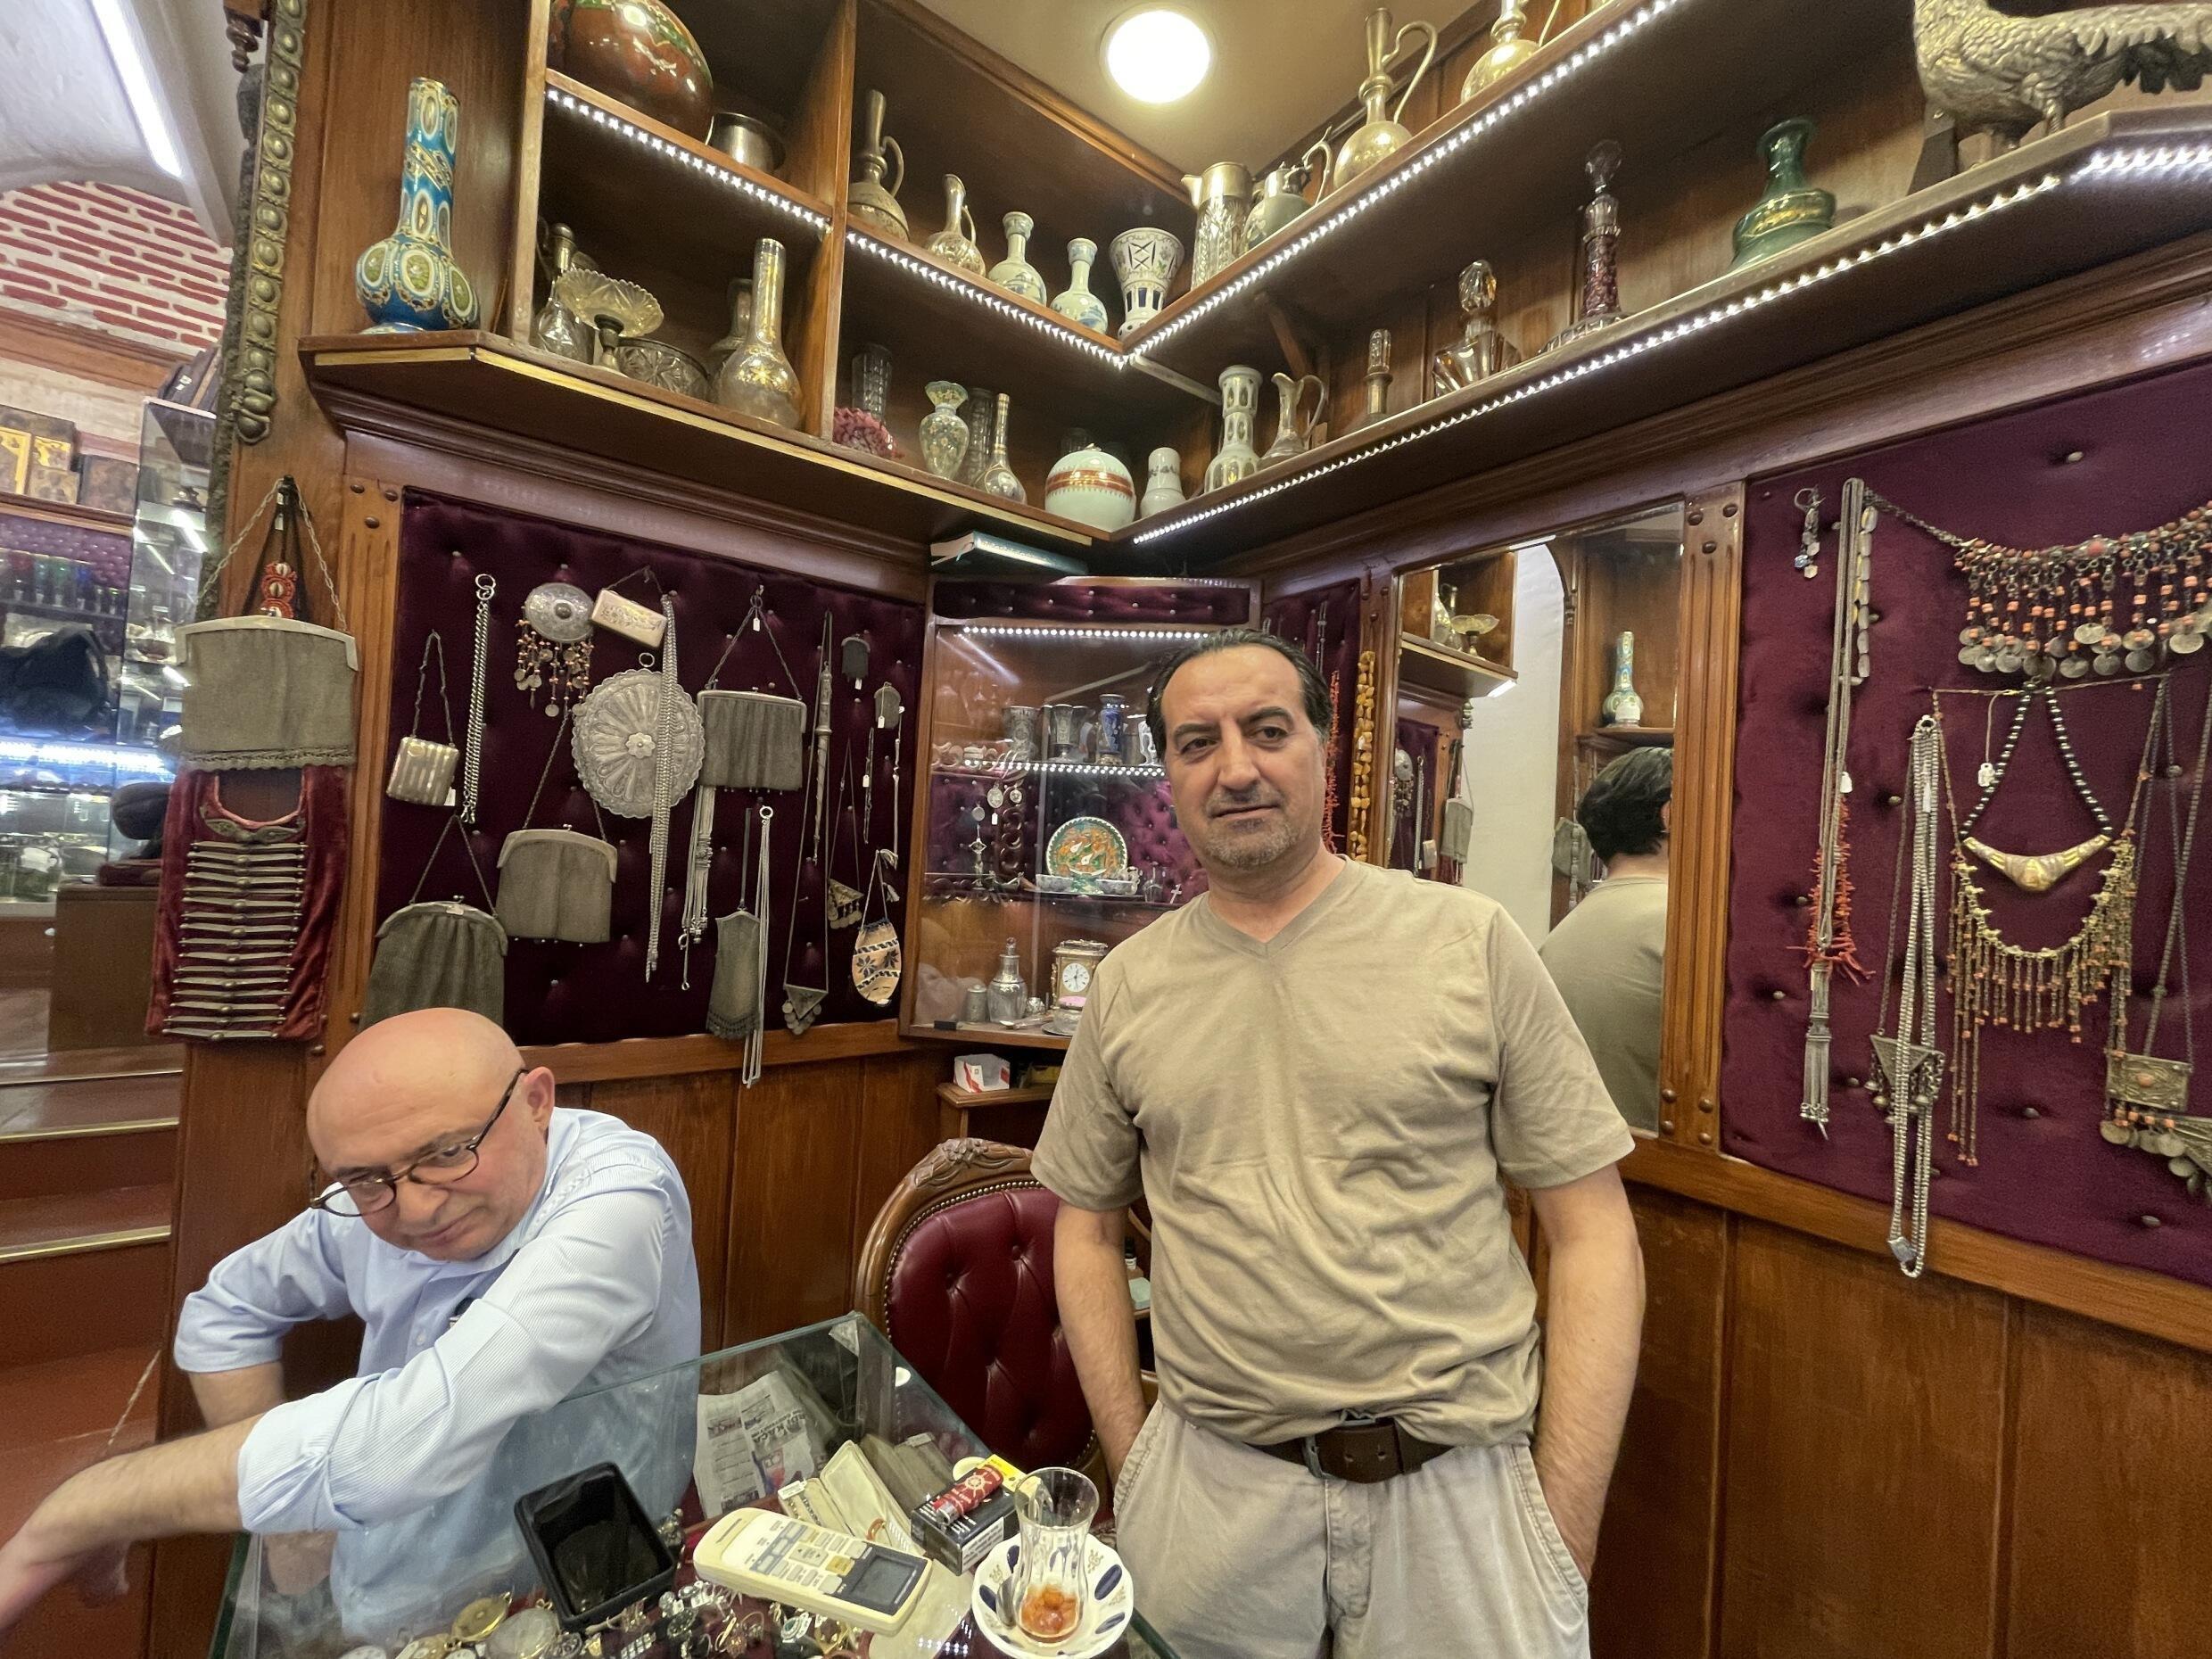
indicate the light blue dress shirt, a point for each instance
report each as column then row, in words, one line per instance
column 410, row 1461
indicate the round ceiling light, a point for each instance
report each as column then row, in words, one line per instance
column 1156, row 54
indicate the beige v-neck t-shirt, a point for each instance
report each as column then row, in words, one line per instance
column 1321, row 1124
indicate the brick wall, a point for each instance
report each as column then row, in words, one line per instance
column 113, row 259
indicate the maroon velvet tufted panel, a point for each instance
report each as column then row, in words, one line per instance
column 107, row 553
column 971, row 1307
column 1424, row 743
column 1326, row 621
column 560, row 992
column 2046, row 1177
column 1192, row 601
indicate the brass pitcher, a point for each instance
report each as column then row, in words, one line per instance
column 1510, row 49
column 869, row 200
column 1222, row 196
column 955, row 244
column 1381, row 135
column 1279, row 202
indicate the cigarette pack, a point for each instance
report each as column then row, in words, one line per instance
column 960, row 1541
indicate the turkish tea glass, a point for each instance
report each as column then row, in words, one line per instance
column 1055, row 1508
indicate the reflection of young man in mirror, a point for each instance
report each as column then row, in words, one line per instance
column 1609, row 956
column 1320, row 1073
column 499, row 1252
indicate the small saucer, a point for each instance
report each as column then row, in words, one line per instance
column 1106, row 1611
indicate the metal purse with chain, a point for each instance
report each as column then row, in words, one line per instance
column 439, row 952
column 422, row 768
column 557, row 884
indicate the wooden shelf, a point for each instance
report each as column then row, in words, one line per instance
column 949, row 324
column 1628, row 737
column 1478, row 175
column 485, row 381
column 13, row 505
column 968, row 1099
column 2091, row 194
column 1459, row 675
column 995, row 1036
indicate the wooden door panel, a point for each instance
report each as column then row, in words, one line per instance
column 791, row 1198
column 1865, row 1420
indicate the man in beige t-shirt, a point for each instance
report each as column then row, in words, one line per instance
column 1608, row 956
column 1319, row 1074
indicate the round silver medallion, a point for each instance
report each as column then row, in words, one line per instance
column 616, row 746
column 2184, row 644
column 2009, row 660
column 559, row 611
column 2106, row 663
column 2139, row 662
column 2089, row 633
column 2074, row 667
column 1986, row 660
column 1970, row 655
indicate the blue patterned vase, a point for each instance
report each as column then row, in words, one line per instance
column 408, row 281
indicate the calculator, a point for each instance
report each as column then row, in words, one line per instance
column 763, row 1554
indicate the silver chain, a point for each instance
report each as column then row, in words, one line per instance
column 664, row 780
column 472, row 756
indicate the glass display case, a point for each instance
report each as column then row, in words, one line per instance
column 168, row 542
column 1046, row 833
column 725, row 1432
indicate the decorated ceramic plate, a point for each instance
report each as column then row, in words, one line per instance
column 1087, row 848
column 1105, row 1611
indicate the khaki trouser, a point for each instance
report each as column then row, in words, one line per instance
column 1236, row 1555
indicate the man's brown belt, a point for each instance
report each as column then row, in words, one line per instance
column 1364, row 1452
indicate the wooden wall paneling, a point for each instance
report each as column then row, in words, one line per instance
column 1657, row 1554
column 1862, row 1452
column 693, row 1119
column 1705, row 781
column 791, row 1200
column 367, row 568
column 820, row 147
column 2111, row 1510
column 898, row 1126
column 242, row 1160
column 522, row 271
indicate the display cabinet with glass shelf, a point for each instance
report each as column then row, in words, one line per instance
column 1044, row 831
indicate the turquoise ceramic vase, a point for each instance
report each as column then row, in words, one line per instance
column 408, row 281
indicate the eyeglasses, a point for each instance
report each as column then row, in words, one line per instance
column 364, row 1194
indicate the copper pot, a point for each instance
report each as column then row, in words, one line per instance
column 637, row 51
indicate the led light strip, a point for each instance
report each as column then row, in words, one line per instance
column 148, row 761
column 1635, row 344
column 992, row 631
column 697, row 163
column 980, row 296
column 1097, row 768
column 1349, row 210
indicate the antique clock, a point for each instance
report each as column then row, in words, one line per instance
column 1075, row 962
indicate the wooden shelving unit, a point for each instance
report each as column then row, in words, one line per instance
column 1453, row 676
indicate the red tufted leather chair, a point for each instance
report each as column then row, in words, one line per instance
column 958, row 1272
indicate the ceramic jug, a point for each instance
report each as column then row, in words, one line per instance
column 1293, row 429
column 1163, row 483
column 1509, row 50
column 1014, row 273
column 1622, row 706
column 955, row 244
column 1076, row 303
column 556, row 328
column 868, row 199
column 1382, row 134
column 944, row 435
column 637, row 51
column 1091, row 487
column 1792, row 211
column 1236, row 460
column 1279, row 202
column 998, row 477
column 409, row 282
column 1145, row 261
column 1222, row 196
column 759, row 381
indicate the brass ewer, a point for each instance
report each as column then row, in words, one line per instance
column 1510, row 49
column 1382, row 135
column 869, row 200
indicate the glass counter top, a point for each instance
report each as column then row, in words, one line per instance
column 731, row 1429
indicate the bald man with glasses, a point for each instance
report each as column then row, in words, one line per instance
column 500, row 1253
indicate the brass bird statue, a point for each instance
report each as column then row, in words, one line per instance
column 1996, row 72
